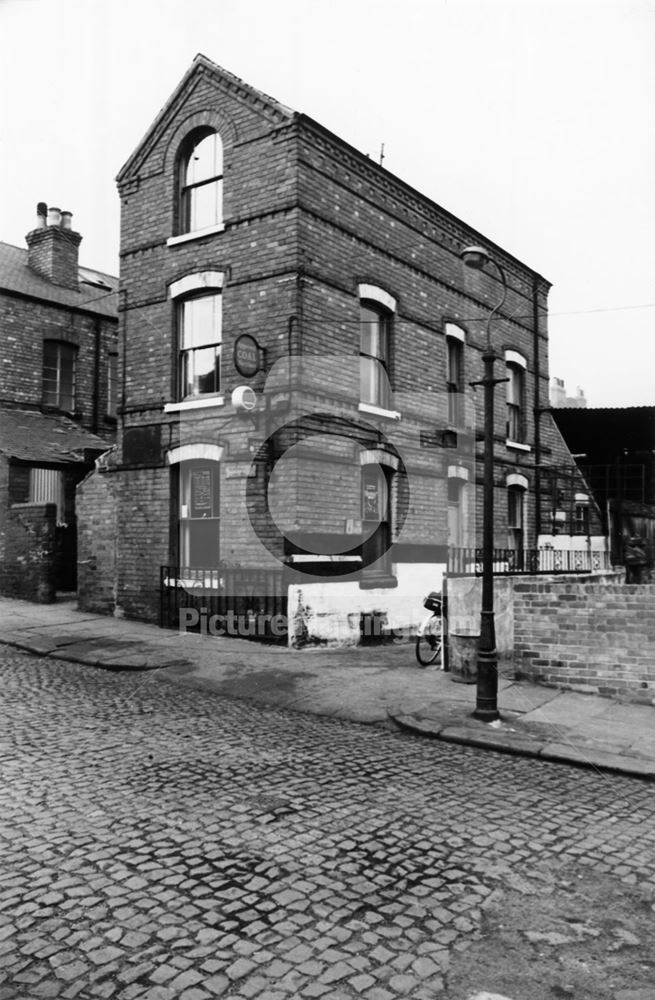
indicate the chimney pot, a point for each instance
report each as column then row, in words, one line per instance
column 53, row 247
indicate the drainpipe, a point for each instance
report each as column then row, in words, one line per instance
column 293, row 327
column 300, row 314
column 537, row 407
column 96, row 375
column 617, row 541
column 122, row 319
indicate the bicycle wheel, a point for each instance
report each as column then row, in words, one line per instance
column 428, row 642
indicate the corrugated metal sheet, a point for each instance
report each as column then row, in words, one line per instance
column 47, row 486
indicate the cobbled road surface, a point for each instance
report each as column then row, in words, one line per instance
column 161, row 842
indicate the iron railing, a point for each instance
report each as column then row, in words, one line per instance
column 245, row 603
column 506, row 562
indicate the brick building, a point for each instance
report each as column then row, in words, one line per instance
column 58, row 385
column 299, row 336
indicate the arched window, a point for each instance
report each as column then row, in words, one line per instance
column 376, row 310
column 581, row 514
column 374, row 351
column 516, row 366
column 380, row 484
column 201, row 182
column 459, row 504
column 376, row 519
column 59, row 375
column 199, row 514
column 199, row 333
column 517, row 488
column 455, row 337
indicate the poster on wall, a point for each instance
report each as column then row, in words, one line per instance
column 370, row 498
column 201, row 493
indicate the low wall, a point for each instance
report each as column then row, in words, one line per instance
column 587, row 636
column 464, row 601
column 96, row 543
column 28, row 568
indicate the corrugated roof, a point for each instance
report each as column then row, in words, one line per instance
column 42, row 437
column 602, row 409
column 97, row 293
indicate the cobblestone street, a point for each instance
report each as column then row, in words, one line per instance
column 162, row 842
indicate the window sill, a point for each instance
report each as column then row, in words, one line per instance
column 517, row 446
column 297, row 558
column 201, row 403
column 379, row 411
column 197, row 234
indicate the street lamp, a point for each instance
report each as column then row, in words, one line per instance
column 486, row 699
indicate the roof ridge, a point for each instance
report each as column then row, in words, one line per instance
column 200, row 62
column 216, row 67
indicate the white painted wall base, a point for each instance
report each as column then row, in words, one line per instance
column 329, row 612
column 568, row 543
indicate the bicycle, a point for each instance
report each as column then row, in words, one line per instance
column 428, row 639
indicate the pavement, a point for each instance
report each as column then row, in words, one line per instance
column 380, row 685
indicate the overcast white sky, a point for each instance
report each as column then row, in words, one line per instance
column 531, row 120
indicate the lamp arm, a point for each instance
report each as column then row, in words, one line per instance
column 501, row 302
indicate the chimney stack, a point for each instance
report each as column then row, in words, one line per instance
column 53, row 247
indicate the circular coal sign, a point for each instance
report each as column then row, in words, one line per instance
column 246, row 355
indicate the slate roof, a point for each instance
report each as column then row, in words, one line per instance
column 99, row 297
column 42, row 437
column 606, row 409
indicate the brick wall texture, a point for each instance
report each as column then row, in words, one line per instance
column 307, row 219
column 29, row 546
column 590, row 637
column 53, row 252
column 96, row 543
column 24, row 325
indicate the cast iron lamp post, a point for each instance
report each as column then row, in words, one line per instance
column 486, row 699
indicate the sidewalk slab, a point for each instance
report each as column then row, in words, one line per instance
column 565, row 708
column 41, row 642
column 520, row 697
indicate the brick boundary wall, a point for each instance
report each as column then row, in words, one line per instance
column 96, row 543
column 594, row 638
column 28, row 569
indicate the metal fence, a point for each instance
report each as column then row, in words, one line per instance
column 506, row 562
column 246, row 603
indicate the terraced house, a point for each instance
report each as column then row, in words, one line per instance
column 299, row 431
column 58, row 398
